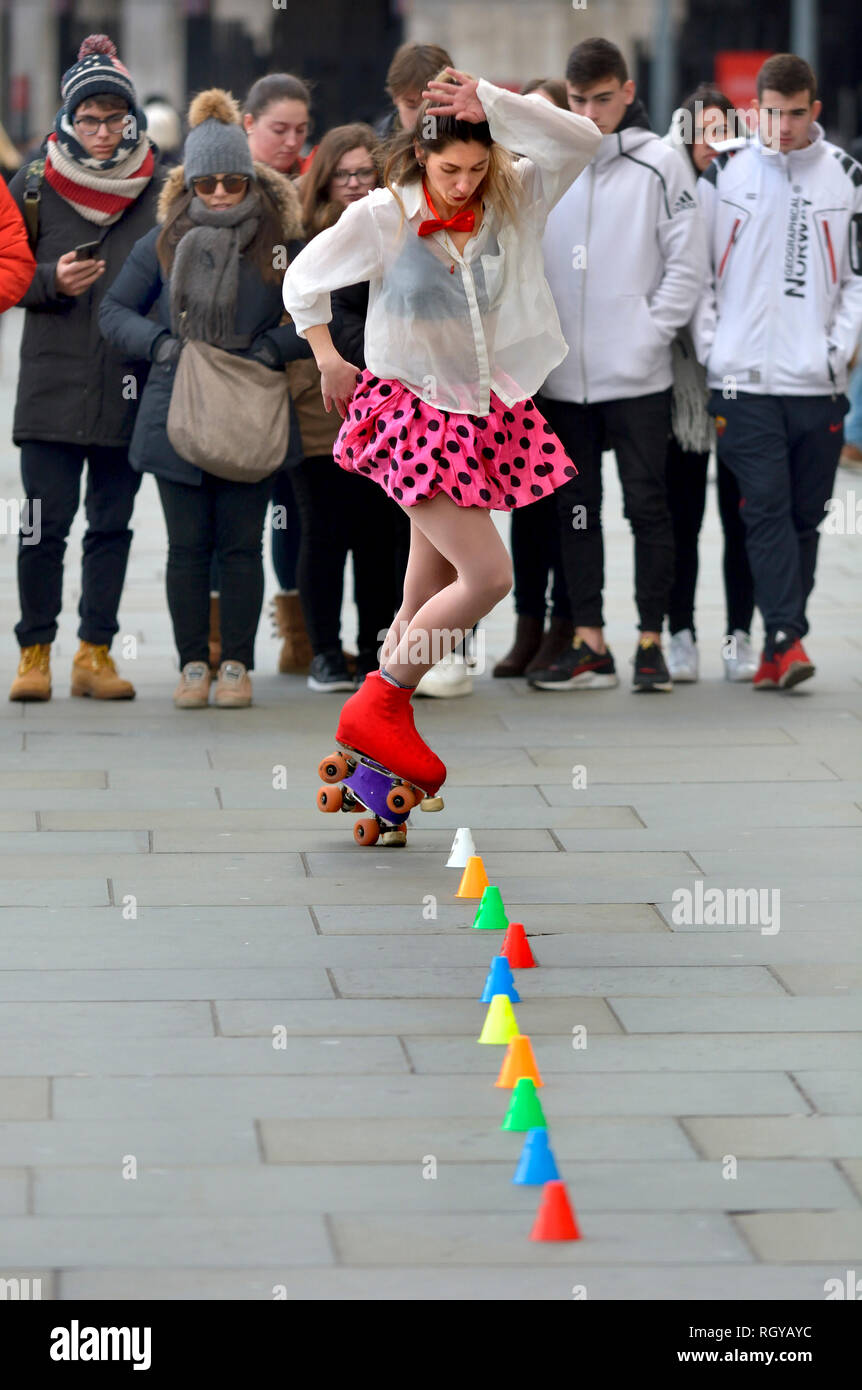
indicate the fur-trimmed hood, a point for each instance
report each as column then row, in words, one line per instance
column 277, row 187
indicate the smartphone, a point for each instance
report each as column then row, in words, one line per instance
column 86, row 251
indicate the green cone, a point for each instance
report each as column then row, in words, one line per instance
column 525, row 1108
column 491, row 915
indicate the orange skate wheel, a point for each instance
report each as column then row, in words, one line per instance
column 366, row 832
column 330, row 799
column 400, row 798
column 333, row 769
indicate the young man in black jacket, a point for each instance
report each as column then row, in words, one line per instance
column 94, row 196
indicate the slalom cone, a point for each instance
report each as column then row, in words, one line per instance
column 537, row 1164
column 555, row 1219
column 516, row 947
column 500, row 1024
column 519, row 1061
column 500, row 980
column 474, row 880
column 462, row 849
column 525, row 1108
column 491, row 914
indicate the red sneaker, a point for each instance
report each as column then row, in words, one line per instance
column 793, row 666
column 766, row 675
column 378, row 721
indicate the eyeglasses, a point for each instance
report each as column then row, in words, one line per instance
column 91, row 125
column 368, row 175
column 231, row 183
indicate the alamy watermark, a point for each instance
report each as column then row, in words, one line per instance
column 21, row 518
column 728, row 907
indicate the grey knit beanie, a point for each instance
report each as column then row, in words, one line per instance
column 216, row 142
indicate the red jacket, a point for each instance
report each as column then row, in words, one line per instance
column 17, row 266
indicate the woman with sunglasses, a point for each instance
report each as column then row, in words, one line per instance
column 339, row 511
column 208, row 273
column 461, row 330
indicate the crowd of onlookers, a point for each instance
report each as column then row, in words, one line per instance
column 709, row 286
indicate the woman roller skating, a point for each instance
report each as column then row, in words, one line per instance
column 461, row 330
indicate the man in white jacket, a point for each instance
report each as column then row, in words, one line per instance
column 776, row 330
column 625, row 256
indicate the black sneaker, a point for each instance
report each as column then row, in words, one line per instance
column 329, row 672
column 366, row 662
column 579, row 668
column 651, row 671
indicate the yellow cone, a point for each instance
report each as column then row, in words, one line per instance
column 500, row 1023
column 474, row 880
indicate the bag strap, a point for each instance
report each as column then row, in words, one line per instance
column 32, row 199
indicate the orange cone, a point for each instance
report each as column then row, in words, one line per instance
column 474, row 880
column 518, row 1061
column 555, row 1219
column 516, row 947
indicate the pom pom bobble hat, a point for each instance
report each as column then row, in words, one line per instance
column 99, row 73
column 216, row 142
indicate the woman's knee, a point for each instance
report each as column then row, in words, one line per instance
column 495, row 581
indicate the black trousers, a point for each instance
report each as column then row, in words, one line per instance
column 686, row 492
column 51, row 475
column 223, row 520
column 783, row 452
column 340, row 512
column 536, row 555
column 637, row 430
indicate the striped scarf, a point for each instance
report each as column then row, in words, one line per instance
column 99, row 194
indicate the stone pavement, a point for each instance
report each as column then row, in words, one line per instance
column 165, row 910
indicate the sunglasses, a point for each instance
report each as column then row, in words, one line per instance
column 231, row 183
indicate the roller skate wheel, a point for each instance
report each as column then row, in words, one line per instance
column 330, row 799
column 366, row 832
column 400, row 798
column 333, row 768
column 431, row 803
column 398, row 836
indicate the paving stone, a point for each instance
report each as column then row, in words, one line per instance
column 767, row 1015
column 26, row 777
column 53, row 892
column 466, row 1283
column 814, row 1235
column 832, row 1092
column 24, row 1098
column 74, row 842
column 807, row 916
column 362, row 1016
column 408, row 1139
column 706, row 946
column 86, row 985
column 303, row 1097
column 290, row 1238
column 822, row 979
column 13, row 1194
column 462, row 983
column 502, row 1238
column 212, row 1057
column 605, row 918
column 17, row 820
column 128, row 1019
column 792, row 1136
column 105, row 1142
column 853, row 1169
column 436, row 843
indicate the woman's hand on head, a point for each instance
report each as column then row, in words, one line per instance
column 456, row 98
column 337, row 383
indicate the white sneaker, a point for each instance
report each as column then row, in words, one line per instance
column 682, row 660
column 738, row 655
column 450, row 677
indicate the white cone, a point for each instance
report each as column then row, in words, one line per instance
column 462, row 849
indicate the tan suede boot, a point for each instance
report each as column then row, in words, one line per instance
column 33, row 681
column 295, row 655
column 94, row 674
column 215, row 634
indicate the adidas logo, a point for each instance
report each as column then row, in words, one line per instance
column 683, row 202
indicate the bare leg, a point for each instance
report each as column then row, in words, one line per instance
column 458, row 570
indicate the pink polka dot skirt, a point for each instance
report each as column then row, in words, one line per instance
column 505, row 459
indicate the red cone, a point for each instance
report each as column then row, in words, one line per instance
column 555, row 1219
column 516, row 947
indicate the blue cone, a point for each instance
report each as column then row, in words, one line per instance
column 537, row 1164
column 500, row 980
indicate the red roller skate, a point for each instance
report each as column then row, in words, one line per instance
column 384, row 766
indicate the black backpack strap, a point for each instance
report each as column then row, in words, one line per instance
column 32, row 198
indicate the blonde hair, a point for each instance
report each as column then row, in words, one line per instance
column 433, row 134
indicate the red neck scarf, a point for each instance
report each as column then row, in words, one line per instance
column 463, row 221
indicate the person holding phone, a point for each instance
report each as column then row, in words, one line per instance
column 95, row 196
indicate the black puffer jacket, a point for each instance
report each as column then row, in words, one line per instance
column 140, row 289
column 73, row 387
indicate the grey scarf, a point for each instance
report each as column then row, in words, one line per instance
column 205, row 273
